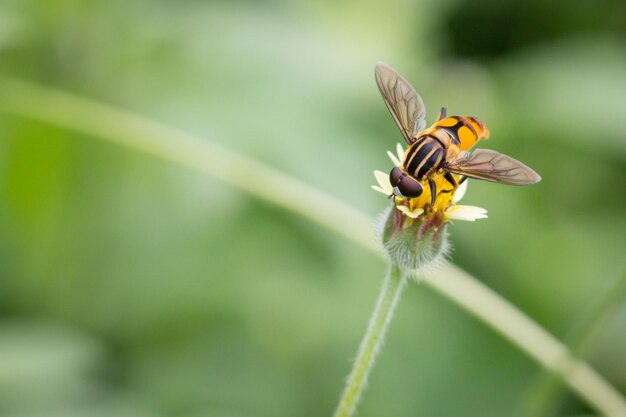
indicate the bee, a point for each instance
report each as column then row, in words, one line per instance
column 442, row 148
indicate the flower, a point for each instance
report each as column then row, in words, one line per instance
column 445, row 207
column 414, row 232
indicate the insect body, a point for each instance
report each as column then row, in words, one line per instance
column 430, row 149
column 442, row 148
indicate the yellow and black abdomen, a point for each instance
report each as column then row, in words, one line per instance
column 465, row 131
column 424, row 156
column 429, row 151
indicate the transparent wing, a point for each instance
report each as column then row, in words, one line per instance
column 403, row 102
column 489, row 165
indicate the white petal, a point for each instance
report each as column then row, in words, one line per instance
column 383, row 181
column 467, row 213
column 393, row 158
column 407, row 212
column 460, row 192
column 400, row 152
column 380, row 190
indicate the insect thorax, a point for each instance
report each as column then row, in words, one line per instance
column 424, row 156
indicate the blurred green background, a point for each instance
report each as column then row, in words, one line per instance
column 134, row 287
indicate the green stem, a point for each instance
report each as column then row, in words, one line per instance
column 548, row 389
column 125, row 128
column 522, row 331
column 370, row 345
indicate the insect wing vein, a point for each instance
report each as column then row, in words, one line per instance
column 489, row 165
column 403, row 102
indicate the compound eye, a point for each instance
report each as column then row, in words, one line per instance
column 410, row 187
column 395, row 176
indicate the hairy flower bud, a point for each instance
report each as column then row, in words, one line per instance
column 414, row 245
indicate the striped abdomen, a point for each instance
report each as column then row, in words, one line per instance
column 424, row 156
column 464, row 131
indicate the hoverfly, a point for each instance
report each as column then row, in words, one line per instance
column 441, row 149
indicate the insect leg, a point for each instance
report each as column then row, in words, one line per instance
column 443, row 113
column 433, row 191
column 450, row 178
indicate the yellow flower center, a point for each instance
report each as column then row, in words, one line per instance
column 443, row 200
